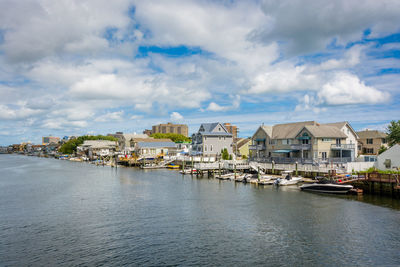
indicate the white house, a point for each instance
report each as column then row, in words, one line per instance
column 390, row 159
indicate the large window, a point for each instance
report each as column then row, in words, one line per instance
column 370, row 141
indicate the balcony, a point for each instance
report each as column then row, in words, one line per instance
column 301, row 147
column 343, row 146
column 257, row 147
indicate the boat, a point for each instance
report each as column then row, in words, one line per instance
column 188, row 171
column 266, row 180
column 172, row 166
column 327, row 186
column 288, row 179
column 227, row 176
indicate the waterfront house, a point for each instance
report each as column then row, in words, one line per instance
column 305, row 142
column 241, row 147
column 390, row 159
column 156, row 148
column 97, row 148
column 370, row 141
column 210, row 139
column 125, row 141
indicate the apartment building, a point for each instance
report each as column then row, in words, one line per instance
column 171, row 128
column 47, row 140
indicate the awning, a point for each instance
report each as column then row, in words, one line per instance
column 283, row 151
column 260, row 139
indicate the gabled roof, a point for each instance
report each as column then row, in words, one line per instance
column 242, row 141
column 325, row 131
column 151, row 140
column 156, row 145
column 99, row 143
column 371, row 134
column 209, row 128
column 289, row 130
column 128, row 137
column 341, row 124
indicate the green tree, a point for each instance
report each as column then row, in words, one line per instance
column 173, row 136
column 225, row 154
column 230, row 156
column 393, row 132
column 382, row 149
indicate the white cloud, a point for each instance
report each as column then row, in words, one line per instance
column 36, row 29
column 310, row 25
column 235, row 105
column 111, row 116
column 347, row 89
column 176, row 117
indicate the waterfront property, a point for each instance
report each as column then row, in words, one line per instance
column 241, row 147
column 155, row 148
column 97, row 148
column 125, row 141
column 370, row 141
column 304, row 142
column 46, row 140
column 210, row 139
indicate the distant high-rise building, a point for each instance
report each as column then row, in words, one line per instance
column 171, row 128
column 232, row 129
column 47, row 140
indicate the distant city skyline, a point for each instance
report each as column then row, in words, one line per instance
column 97, row 67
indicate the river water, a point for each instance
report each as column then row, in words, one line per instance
column 55, row 212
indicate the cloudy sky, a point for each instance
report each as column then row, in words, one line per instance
column 72, row 67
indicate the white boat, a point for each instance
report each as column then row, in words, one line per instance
column 227, row 176
column 188, row 171
column 326, row 186
column 266, row 180
column 288, row 179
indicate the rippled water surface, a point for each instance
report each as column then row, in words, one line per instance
column 56, row 212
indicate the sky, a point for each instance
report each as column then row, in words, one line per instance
column 75, row 67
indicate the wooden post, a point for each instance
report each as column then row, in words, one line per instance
column 191, row 172
column 258, row 173
column 234, row 170
column 297, row 171
column 273, row 165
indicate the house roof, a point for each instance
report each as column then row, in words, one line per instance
column 128, row 137
column 289, row 130
column 209, row 127
column 371, row 134
column 99, row 143
column 340, row 126
column 156, row 145
column 151, row 140
column 325, row 131
column 242, row 141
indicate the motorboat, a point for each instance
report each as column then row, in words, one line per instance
column 188, row 171
column 266, row 180
column 327, row 186
column 288, row 179
column 227, row 176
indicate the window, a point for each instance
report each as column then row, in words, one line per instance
column 323, row 155
column 369, row 150
column 384, row 141
column 205, row 147
column 326, row 140
column 286, row 141
column 370, row 141
column 211, row 147
column 348, row 131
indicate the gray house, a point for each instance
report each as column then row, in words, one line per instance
column 211, row 139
